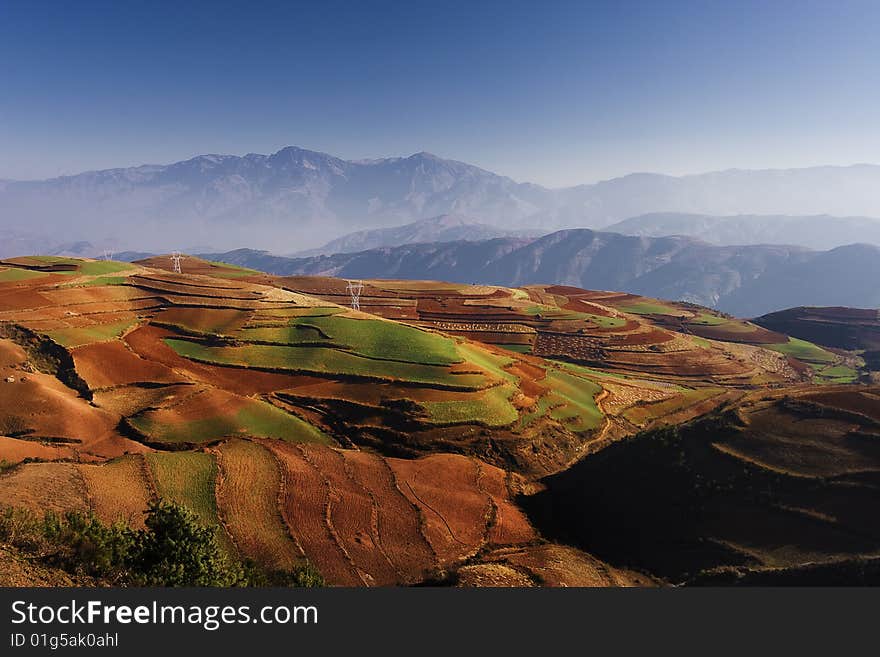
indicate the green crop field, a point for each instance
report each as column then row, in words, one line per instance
column 322, row 360
column 13, row 274
column 836, row 374
column 488, row 361
column 707, row 319
column 492, row 408
column 605, row 322
column 102, row 267
column 650, row 308
column 77, row 337
column 187, row 478
column 294, row 335
column 805, row 351
column 258, row 419
column 578, row 410
column 642, row 414
column 387, row 340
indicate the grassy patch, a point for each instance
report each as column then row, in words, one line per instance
column 707, row 319
column 101, row 281
column 650, row 308
column 605, row 322
column 488, row 361
column 642, row 414
column 492, row 409
column 578, row 409
column 322, row 360
column 102, row 267
column 77, row 337
column 13, row 274
column 258, row 419
column 187, row 478
column 805, row 351
column 381, row 339
column 231, row 271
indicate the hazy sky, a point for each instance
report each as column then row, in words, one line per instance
column 557, row 93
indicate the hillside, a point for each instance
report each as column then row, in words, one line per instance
column 818, row 232
column 391, row 445
column 762, row 493
column 742, row 280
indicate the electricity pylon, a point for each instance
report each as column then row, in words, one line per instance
column 354, row 288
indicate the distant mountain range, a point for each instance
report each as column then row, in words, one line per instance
column 743, row 280
column 445, row 228
column 297, row 199
column 815, row 231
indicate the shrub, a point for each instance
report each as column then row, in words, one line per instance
column 172, row 550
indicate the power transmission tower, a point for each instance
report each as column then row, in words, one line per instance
column 176, row 257
column 108, row 255
column 354, row 288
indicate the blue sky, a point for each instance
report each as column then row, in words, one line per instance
column 557, row 93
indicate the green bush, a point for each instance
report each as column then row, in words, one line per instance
column 174, row 549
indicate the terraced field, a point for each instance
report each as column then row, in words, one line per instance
column 388, row 446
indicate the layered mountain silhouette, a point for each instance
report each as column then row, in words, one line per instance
column 444, row 228
column 297, row 199
column 815, row 231
column 743, row 280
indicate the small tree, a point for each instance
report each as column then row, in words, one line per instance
column 176, row 551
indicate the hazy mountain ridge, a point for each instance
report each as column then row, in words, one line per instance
column 743, row 280
column 815, row 231
column 444, row 228
column 297, row 199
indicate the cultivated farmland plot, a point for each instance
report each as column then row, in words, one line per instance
column 398, row 444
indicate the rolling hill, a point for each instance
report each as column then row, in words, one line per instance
column 743, row 280
column 398, row 444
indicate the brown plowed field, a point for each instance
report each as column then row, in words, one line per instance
column 13, row 450
column 397, row 520
column 353, row 516
column 109, row 364
column 43, row 487
column 306, row 508
column 247, row 500
column 118, row 490
column 455, row 510
column 147, row 342
column 510, row 525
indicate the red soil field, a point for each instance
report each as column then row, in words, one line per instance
column 454, row 509
column 44, row 487
column 108, row 364
column 204, row 320
column 396, row 519
column 305, row 504
column 147, row 342
column 13, row 450
column 864, row 402
column 47, row 408
column 248, row 481
column 352, row 515
column 510, row 525
column 118, row 490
